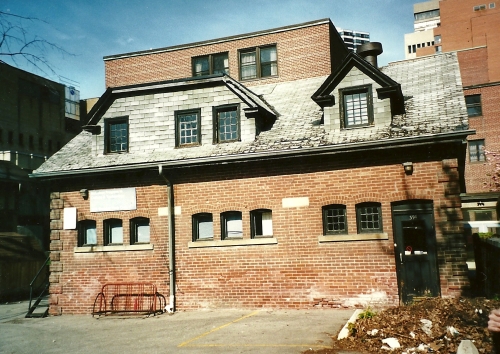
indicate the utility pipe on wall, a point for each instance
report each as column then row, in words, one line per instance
column 171, row 251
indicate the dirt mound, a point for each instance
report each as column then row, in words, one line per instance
column 446, row 322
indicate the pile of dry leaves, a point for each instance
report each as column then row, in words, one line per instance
column 446, row 323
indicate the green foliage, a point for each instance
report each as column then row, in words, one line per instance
column 485, row 235
column 367, row 314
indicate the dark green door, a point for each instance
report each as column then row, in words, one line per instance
column 415, row 250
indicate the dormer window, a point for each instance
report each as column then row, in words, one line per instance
column 227, row 124
column 258, row 62
column 116, row 134
column 356, row 106
column 211, row 64
column 187, row 128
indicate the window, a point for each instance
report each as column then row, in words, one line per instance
column 258, row 62
column 231, row 224
column 439, row 49
column 334, row 219
column 139, row 230
column 211, row 64
column 437, row 39
column 479, row 7
column 227, row 124
column 87, row 234
column 203, row 226
column 261, row 223
column 113, row 232
column 21, row 139
column 473, row 103
column 476, row 150
column 356, row 106
column 116, row 134
column 369, row 217
column 491, row 5
column 188, row 128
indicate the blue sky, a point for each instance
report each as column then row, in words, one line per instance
column 91, row 29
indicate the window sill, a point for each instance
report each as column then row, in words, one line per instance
column 353, row 237
column 227, row 243
column 91, row 249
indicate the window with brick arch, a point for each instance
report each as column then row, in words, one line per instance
column 203, row 226
column 87, row 233
column 231, row 225
column 113, row 232
column 369, row 217
column 261, row 223
column 139, row 230
column 334, row 219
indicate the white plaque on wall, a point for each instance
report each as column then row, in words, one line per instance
column 69, row 219
column 115, row 199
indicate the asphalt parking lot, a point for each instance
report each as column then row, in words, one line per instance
column 204, row 331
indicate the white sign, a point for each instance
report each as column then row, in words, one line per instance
column 112, row 199
column 69, row 219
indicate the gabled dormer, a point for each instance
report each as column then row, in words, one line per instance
column 203, row 112
column 357, row 94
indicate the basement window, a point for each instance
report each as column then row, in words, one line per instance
column 369, row 217
column 261, row 223
column 231, row 225
column 203, row 227
column 87, row 234
column 139, row 230
column 334, row 219
column 113, row 232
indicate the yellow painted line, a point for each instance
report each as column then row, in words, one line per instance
column 260, row 345
column 216, row 329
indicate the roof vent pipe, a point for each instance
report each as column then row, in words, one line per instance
column 369, row 51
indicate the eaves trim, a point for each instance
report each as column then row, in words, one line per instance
column 271, row 155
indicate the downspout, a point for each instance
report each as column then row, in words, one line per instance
column 171, row 251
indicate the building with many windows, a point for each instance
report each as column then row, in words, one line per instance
column 472, row 30
column 271, row 169
column 33, row 125
column 422, row 40
column 353, row 39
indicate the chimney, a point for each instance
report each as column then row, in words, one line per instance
column 369, row 51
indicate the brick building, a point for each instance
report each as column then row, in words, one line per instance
column 472, row 30
column 270, row 169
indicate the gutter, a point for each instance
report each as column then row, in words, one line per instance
column 170, row 308
column 272, row 155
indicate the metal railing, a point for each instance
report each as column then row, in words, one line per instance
column 44, row 287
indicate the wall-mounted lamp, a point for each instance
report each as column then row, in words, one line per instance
column 84, row 193
column 408, row 167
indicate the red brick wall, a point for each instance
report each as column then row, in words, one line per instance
column 298, row 271
column 472, row 66
column 302, row 53
column 76, row 278
column 462, row 28
column 487, row 127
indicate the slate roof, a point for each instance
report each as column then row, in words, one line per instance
column 434, row 106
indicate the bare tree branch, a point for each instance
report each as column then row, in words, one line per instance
column 23, row 47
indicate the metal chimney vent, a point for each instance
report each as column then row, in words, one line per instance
column 369, row 51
